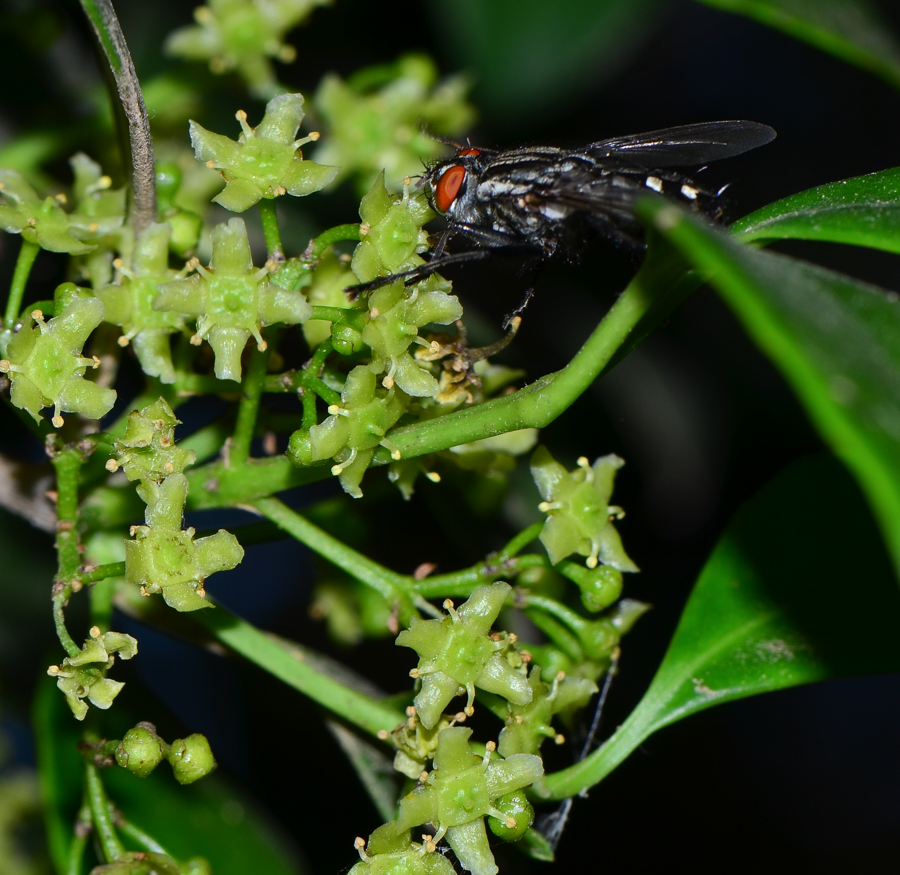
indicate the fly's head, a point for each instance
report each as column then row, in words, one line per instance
column 452, row 184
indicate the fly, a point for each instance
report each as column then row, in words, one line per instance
column 543, row 201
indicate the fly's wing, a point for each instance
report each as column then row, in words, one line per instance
column 685, row 145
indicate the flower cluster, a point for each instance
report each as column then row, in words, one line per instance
column 129, row 303
column 45, row 222
column 579, row 515
column 264, row 162
column 45, row 362
column 457, row 654
column 460, row 791
column 163, row 557
column 242, row 36
column 231, row 299
column 353, row 430
column 84, row 676
column 384, row 118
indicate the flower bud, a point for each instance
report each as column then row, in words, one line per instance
column 141, row 750
column 191, row 758
column 599, row 586
column 515, row 806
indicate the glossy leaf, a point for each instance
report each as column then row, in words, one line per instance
column 849, row 29
column 863, row 211
column 836, row 340
column 209, row 819
column 799, row 589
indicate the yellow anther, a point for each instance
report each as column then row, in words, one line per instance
column 95, row 632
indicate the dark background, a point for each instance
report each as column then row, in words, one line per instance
column 805, row 777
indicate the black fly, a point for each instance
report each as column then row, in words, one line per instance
column 544, row 201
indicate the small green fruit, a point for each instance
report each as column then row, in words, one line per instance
column 191, row 758
column 141, row 750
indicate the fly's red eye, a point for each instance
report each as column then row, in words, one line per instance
column 470, row 151
column 448, row 187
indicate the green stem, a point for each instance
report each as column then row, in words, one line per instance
column 330, row 314
column 333, row 235
column 252, row 387
column 298, row 668
column 567, row 616
column 143, row 840
column 67, row 463
column 101, row 572
column 103, row 825
column 648, row 298
column 388, row 583
column 310, row 416
column 557, row 633
column 271, row 231
column 27, row 253
column 60, row 598
column 522, row 540
column 79, row 841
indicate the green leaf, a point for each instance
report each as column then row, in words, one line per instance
column 799, row 589
column 208, row 819
column 836, row 340
column 863, row 211
column 523, row 57
column 852, row 30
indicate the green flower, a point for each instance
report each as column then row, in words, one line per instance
column 164, row 558
column 461, row 791
column 266, row 161
column 528, row 725
column 242, row 35
column 129, row 303
column 104, row 207
column 84, row 676
column 395, row 316
column 416, row 745
column 231, row 299
column 390, row 852
column 393, row 236
column 329, row 280
column 148, row 451
column 44, row 221
column 352, row 431
column 579, row 516
column 45, row 364
column 384, row 118
column 458, row 654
